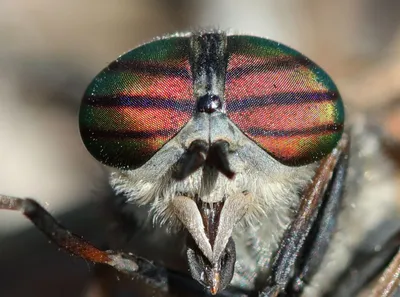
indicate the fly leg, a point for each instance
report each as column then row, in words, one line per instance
column 366, row 265
column 306, row 240
column 74, row 244
column 389, row 282
column 318, row 240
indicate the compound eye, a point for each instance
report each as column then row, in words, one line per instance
column 281, row 100
column 138, row 103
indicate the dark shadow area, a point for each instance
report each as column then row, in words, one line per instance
column 32, row 266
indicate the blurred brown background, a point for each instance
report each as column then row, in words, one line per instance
column 50, row 50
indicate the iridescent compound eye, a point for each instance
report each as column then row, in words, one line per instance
column 281, row 100
column 138, row 103
column 277, row 97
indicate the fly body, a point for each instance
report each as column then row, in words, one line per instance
column 234, row 145
column 237, row 126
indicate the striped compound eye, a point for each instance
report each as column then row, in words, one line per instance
column 277, row 97
column 138, row 103
column 281, row 100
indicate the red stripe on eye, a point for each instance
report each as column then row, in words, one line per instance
column 150, row 145
column 138, row 119
column 268, row 83
column 240, row 61
column 160, row 86
column 285, row 117
column 293, row 147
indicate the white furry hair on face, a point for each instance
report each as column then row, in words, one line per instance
column 272, row 189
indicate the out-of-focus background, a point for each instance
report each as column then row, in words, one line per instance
column 50, row 50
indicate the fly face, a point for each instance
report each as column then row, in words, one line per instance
column 212, row 131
